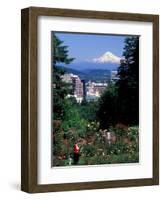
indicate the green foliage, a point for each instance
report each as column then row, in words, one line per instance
column 88, row 110
column 128, row 83
column 119, row 131
column 133, row 133
column 60, row 91
column 60, row 52
column 57, row 141
column 60, row 88
column 92, row 127
column 108, row 108
column 120, row 101
column 129, row 148
column 124, row 150
column 117, row 148
column 73, row 125
column 89, row 150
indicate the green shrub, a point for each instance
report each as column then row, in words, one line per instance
column 133, row 133
column 89, row 150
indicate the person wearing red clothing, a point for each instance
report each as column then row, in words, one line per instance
column 76, row 154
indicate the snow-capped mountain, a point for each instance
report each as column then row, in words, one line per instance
column 108, row 61
column 107, row 57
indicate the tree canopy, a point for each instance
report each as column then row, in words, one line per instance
column 120, row 101
column 61, row 89
column 128, row 83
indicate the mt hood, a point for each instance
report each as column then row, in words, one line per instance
column 107, row 57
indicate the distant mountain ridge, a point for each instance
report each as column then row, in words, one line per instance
column 85, row 65
column 92, row 71
column 96, row 75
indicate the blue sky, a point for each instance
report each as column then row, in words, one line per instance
column 83, row 47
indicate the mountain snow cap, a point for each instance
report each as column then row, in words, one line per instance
column 107, row 57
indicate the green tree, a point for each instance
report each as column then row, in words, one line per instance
column 128, row 83
column 61, row 89
column 107, row 112
column 120, row 101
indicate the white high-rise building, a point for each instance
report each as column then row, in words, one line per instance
column 77, row 85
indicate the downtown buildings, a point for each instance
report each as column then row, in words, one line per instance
column 77, row 86
column 82, row 90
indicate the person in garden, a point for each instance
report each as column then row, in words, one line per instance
column 76, row 154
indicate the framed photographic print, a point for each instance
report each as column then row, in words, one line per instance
column 90, row 99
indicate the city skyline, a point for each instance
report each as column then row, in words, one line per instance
column 87, row 90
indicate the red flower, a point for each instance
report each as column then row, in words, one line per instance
column 76, row 148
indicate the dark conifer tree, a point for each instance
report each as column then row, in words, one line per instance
column 120, row 101
column 128, row 83
column 61, row 89
column 107, row 112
